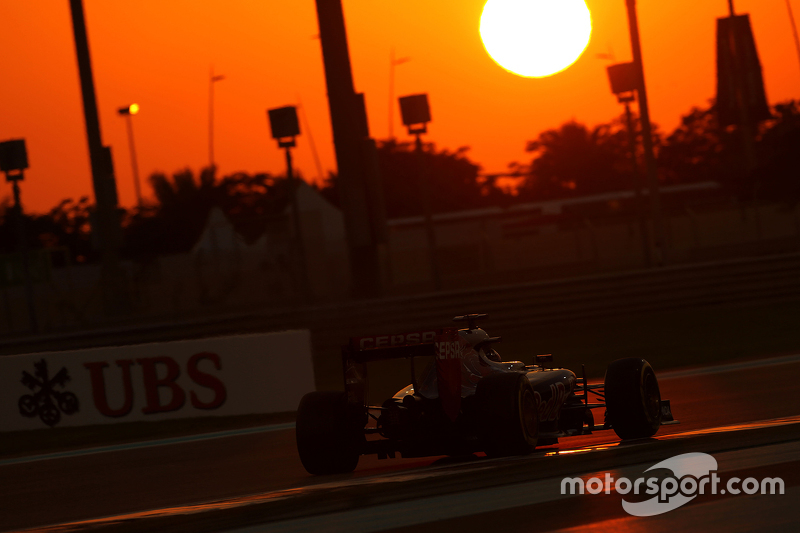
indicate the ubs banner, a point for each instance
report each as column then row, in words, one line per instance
column 217, row 376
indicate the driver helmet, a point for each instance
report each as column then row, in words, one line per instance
column 481, row 342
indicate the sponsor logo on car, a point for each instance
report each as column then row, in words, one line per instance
column 548, row 410
column 456, row 349
column 396, row 339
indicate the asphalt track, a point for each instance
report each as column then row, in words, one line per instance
column 251, row 480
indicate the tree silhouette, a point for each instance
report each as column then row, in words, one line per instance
column 570, row 161
column 454, row 180
column 66, row 225
column 699, row 150
column 175, row 222
column 777, row 177
column 574, row 160
column 250, row 201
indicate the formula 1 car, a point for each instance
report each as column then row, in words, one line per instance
column 468, row 400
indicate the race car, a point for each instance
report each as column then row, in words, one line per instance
column 468, row 400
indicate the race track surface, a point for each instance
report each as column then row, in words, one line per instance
column 186, row 482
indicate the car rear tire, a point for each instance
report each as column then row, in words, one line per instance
column 633, row 399
column 329, row 433
column 508, row 415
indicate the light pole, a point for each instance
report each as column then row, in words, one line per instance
column 416, row 115
column 106, row 224
column 212, row 79
column 14, row 161
column 128, row 112
column 285, row 127
column 623, row 84
column 647, row 135
column 392, row 64
column 360, row 187
column 311, row 143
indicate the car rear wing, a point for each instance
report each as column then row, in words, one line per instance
column 362, row 350
column 391, row 352
column 395, row 340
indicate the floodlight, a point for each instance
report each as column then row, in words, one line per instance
column 13, row 155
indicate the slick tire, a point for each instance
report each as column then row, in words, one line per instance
column 328, row 433
column 633, row 400
column 508, row 416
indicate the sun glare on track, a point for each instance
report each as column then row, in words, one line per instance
column 535, row 38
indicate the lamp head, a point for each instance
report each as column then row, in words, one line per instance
column 284, row 125
column 13, row 158
column 623, row 78
column 415, row 112
column 129, row 110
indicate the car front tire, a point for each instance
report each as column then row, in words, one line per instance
column 633, row 399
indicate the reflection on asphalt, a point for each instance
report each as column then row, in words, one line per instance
column 239, row 470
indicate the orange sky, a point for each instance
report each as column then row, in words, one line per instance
column 158, row 53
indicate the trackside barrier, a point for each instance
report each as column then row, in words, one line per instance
column 754, row 280
column 757, row 280
column 219, row 376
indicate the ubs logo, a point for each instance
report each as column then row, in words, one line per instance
column 47, row 403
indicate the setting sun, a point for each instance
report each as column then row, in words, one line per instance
column 535, row 38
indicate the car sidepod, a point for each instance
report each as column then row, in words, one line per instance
column 551, row 388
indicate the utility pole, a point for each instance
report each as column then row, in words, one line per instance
column 647, row 135
column 212, row 79
column 430, row 229
column 106, row 221
column 392, row 65
column 648, row 259
column 416, row 114
column 285, row 127
column 623, row 78
column 14, row 161
column 22, row 238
